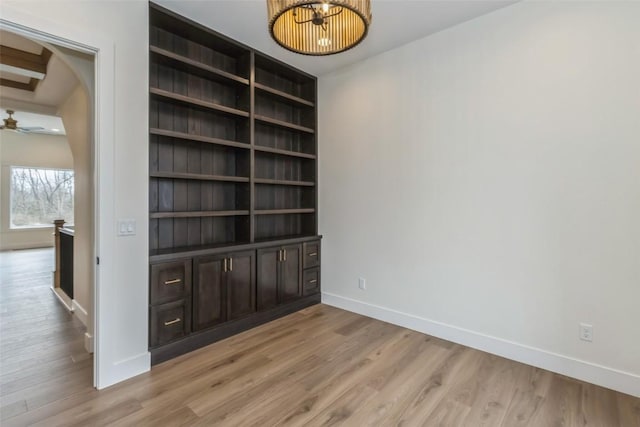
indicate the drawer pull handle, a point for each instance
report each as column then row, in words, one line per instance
column 230, row 264
column 311, row 282
column 313, row 254
column 171, row 322
column 172, row 282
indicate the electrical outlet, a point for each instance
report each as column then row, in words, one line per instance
column 362, row 284
column 586, row 332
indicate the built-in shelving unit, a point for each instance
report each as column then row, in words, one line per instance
column 232, row 169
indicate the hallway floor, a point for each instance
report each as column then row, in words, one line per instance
column 42, row 356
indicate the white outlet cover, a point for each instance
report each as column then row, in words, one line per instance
column 586, row 332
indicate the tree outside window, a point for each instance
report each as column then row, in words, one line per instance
column 38, row 196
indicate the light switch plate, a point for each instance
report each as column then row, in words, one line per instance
column 126, row 227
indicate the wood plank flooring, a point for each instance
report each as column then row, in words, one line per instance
column 42, row 356
column 325, row 366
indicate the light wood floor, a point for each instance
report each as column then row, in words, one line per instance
column 325, row 366
column 42, row 357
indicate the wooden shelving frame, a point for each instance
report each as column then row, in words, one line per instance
column 233, row 143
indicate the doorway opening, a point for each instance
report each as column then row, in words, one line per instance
column 49, row 166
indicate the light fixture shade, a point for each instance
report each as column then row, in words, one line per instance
column 318, row 27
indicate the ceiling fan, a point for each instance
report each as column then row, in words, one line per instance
column 12, row 124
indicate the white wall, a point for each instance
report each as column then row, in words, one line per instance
column 76, row 116
column 486, row 182
column 31, row 150
column 120, row 32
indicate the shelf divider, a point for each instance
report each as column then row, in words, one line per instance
column 197, row 102
column 284, row 211
column 288, row 125
column 284, row 182
column 194, row 214
column 198, row 138
column 284, row 95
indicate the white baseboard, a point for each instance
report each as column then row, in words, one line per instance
column 63, row 298
column 80, row 313
column 621, row 381
column 88, row 342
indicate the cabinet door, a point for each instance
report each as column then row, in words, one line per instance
column 208, row 292
column 290, row 273
column 268, row 262
column 240, row 284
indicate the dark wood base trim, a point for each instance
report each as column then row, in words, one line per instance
column 201, row 339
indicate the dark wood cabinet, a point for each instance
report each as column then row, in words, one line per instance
column 209, row 306
column 224, row 288
column 290, row 273
column 169, row 322
column 279, row 275
column 232, row 185
column 268, row 275
column 311, row 281
column 170, row 281
column 241, row 284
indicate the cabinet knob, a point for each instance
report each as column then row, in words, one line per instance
column 313, row 254
column 313, row 281
column 230, row 264
column 172, row 282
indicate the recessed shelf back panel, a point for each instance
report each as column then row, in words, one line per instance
column 269, row 197
column 275, row 166
column 172, row 116
column 284, row 225
column 280, row 77
column 200, row 46
column 180, row 156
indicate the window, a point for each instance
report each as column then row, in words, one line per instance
column 38, row 196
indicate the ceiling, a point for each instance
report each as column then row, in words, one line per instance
column 37, row 107
column 394, row 23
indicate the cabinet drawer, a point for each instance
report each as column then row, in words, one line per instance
column 311, row 281
column 170, row 281
column 311, row 254
column 169, row 322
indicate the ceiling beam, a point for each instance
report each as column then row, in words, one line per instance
column 25, row 64
column 16, row 85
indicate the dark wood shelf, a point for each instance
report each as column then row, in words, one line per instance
column 204, row 70
column 284, row 211
column 198, row 138
column 284, row 182
column 287, row 125
column 283, row 95
column 284, row 152
column 196, row 214
column 197, row 102
column 198, row 176
column 160, row 255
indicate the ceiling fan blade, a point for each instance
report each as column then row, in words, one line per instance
column 30, row 128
